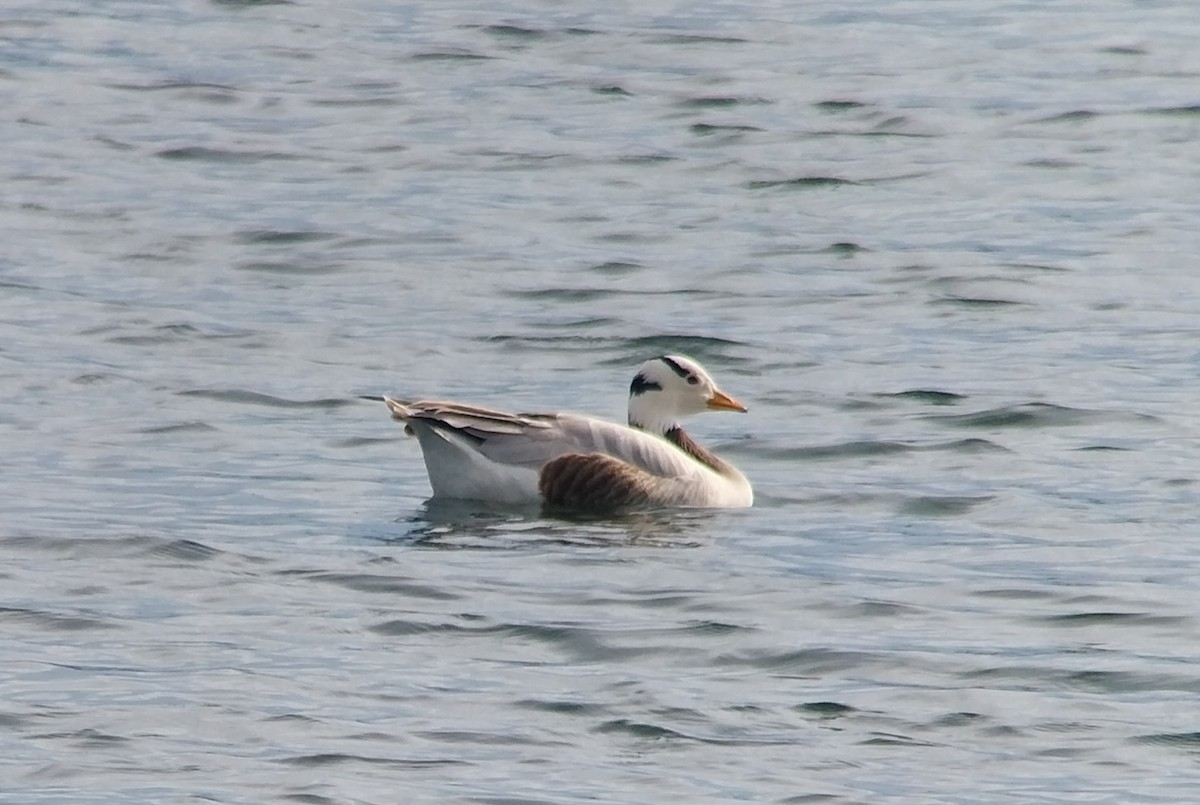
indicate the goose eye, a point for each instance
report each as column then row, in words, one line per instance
column 693, row 380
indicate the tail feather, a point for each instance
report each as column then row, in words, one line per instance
column 399, row 410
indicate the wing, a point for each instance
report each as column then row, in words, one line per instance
column 644, row 451
column 472, row 421
column 532, row 440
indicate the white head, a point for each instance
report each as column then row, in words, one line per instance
column 672, row 386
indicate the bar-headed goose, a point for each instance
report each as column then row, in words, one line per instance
column 578, row 462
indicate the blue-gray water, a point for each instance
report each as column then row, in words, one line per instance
column 946, row 251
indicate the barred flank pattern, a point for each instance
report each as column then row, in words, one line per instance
column 593, row 482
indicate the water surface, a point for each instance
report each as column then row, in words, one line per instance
column 943, row 250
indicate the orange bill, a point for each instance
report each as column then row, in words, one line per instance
column 720, row 401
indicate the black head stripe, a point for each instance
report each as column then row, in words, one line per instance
column 674, row 366
column 641, row 385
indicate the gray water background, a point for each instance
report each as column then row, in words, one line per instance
column 946, row 251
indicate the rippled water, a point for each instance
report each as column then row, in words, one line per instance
column 943, row 249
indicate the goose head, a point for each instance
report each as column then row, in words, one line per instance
column 670, row 387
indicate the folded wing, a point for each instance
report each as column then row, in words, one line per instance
column 532, row 440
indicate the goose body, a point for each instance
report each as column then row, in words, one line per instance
column 580, row 462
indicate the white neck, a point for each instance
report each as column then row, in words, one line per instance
column 649, row 421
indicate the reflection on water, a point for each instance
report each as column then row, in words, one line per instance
column 441, row 523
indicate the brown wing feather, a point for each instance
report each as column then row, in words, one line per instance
column 594, row 482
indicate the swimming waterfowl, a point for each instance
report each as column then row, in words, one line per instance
column 579, row 462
